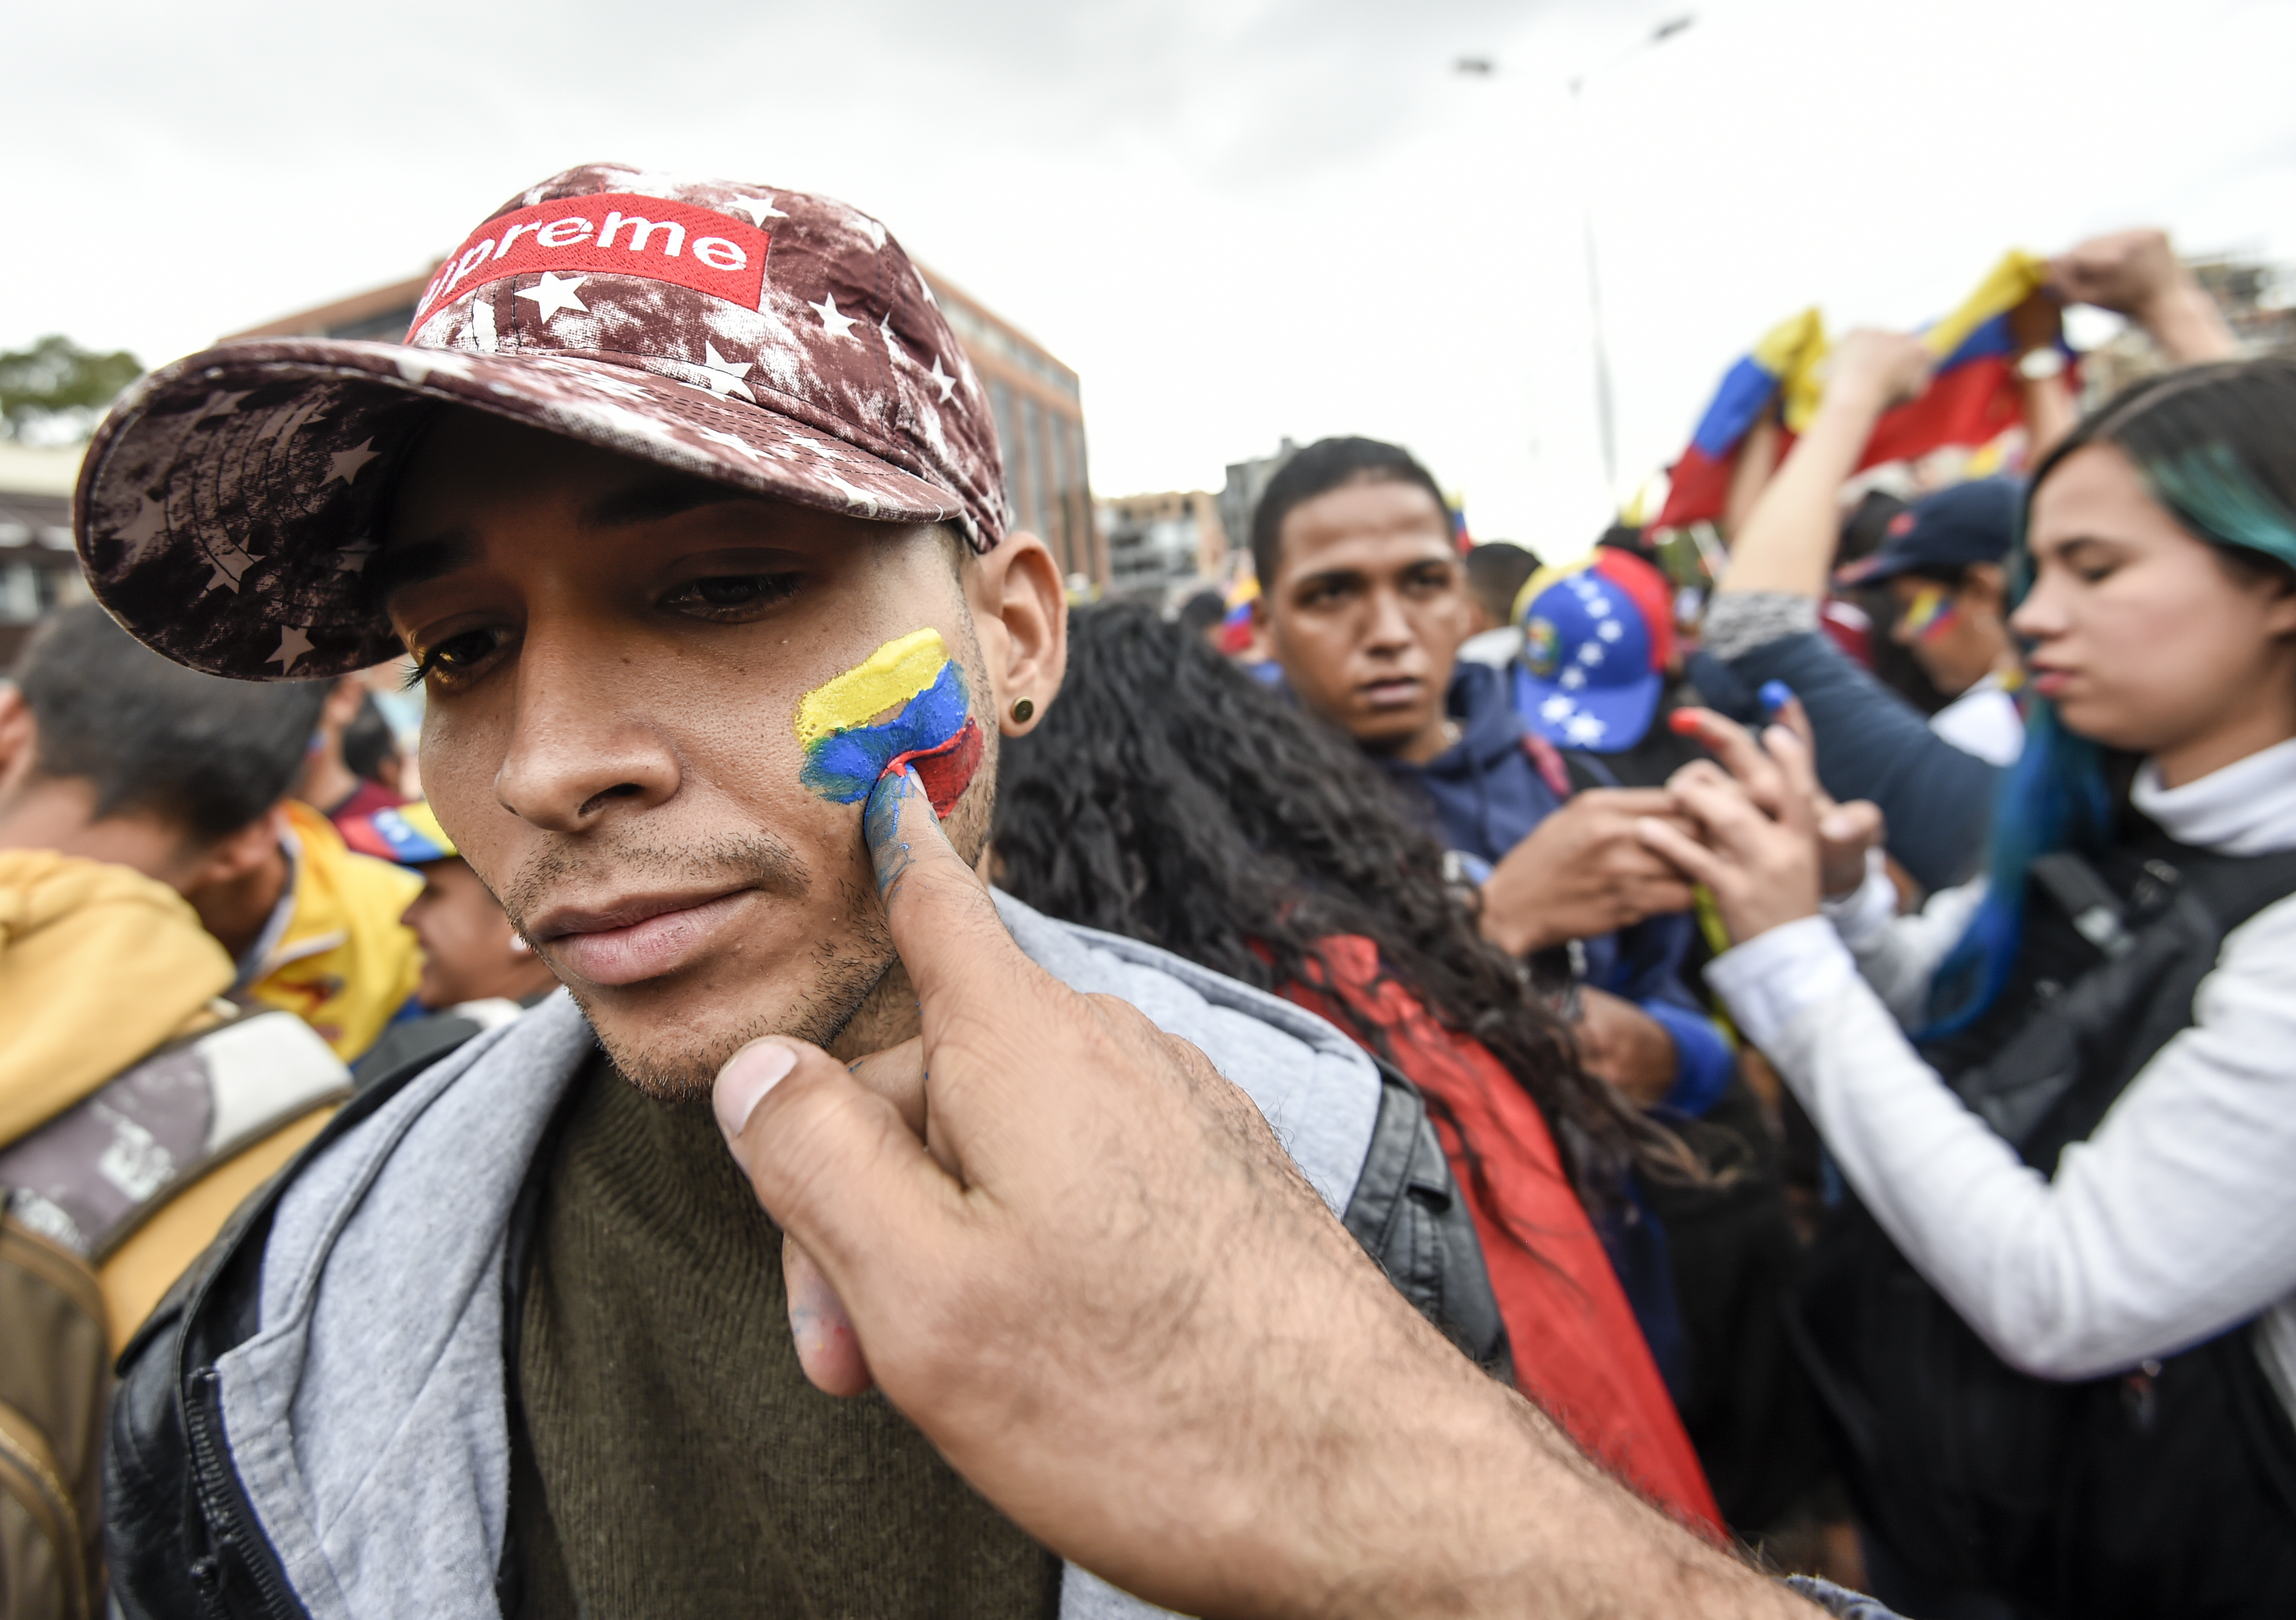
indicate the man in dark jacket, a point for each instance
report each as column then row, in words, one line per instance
column 699, row 559
column 1364, row 603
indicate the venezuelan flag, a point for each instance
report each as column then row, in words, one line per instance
column 1236, row 623
column 1784, row 364
column 1973, row 399
column 905, row 705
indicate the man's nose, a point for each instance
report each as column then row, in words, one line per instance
column 1389, row 630
column 578, row 744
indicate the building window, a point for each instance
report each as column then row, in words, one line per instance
column 1033, row 476
column 1077, row 500
column 1000, row 403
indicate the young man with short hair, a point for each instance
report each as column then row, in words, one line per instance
column 124, row 758
column 1363, row 602
column 688, row 505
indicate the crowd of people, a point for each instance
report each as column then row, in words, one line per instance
column 842, row 1082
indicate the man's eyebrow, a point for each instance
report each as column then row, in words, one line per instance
column 654, row 498
column 402, row 566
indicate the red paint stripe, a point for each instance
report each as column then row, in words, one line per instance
column 945, row 771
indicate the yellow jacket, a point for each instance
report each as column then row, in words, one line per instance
column 345, row 964
column 98, row 966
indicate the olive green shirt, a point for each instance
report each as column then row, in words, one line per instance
column 685, row 1467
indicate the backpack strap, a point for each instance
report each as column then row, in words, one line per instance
column 2055, row 1076
column 92, row 1175
column 1547, row 759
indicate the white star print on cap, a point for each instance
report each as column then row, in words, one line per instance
column 235, row 499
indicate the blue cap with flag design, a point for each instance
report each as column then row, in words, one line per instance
column 1583, row 678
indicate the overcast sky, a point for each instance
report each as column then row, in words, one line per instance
column 1237, row 219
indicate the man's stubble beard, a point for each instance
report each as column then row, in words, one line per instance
column 856, row 986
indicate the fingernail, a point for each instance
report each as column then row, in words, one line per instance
column 881, row 826
column 742, row 1083
column 1776, row 695
column 1683, row 722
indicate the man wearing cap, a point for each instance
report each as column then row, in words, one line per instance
column 687, row 505
column 1941, row 559
column 478, row 970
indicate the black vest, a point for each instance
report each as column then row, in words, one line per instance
column 2169, row 1490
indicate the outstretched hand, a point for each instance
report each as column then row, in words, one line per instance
column 1076, row 1258
column 2127, row 272
column 1042, row 1198
column 1759, row 815
column 1847, row 833
column 1880, row 368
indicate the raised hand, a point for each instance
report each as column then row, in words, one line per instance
column 1583, row 871
column 1756, row 812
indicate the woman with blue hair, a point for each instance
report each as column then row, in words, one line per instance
column 2064, row 1094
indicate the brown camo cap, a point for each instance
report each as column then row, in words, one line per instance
column 770, row 340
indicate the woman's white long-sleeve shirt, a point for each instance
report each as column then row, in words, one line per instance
column 2174, row 1221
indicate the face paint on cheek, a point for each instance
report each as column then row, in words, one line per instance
column 904, row 706
column 1929, row 613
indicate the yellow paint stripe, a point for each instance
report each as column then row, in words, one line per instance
column 887, row 678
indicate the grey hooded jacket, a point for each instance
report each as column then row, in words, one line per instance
column 315, row 1422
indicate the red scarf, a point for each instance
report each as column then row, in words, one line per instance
column 1578, row 1352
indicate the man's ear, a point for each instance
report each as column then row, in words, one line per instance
column 1021, row 614
column 233, row 857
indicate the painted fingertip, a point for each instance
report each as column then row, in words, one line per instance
column 881, row 825
column 1775, row 695
column 1685, row 723
column 742, row 1083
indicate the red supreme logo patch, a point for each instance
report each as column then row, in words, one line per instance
column 613, row 234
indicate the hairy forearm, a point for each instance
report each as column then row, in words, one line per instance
column 1788, row 540
column 1484, row 1509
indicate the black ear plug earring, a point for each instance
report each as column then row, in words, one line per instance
column 1021, row 709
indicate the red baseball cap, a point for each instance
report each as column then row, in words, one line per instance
column 771, row 340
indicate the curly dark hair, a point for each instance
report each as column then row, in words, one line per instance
column 1169, row 796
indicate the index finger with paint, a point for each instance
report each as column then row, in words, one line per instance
column 944, row 924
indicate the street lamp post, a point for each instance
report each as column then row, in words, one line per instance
column 1605, row 413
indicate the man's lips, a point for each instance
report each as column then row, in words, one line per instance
column 1394, row 692
column 635, row 939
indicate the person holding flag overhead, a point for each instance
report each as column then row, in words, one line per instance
column 1762, row 626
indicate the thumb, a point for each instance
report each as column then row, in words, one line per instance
column 1857, row 821
column 850, row 1184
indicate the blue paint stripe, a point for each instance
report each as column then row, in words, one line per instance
column 844, row 766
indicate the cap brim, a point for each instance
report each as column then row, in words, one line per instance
column 228, row 506
column 1598, row 719
column 1871, row 570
